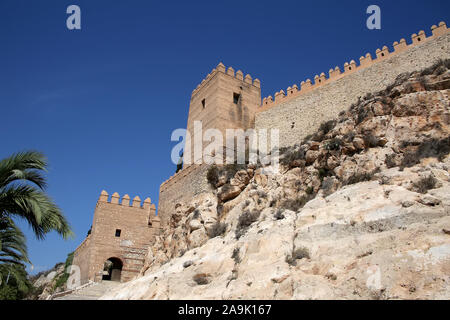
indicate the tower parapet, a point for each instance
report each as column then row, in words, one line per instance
column 222, row 69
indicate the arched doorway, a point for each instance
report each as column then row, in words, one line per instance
column 112, row 269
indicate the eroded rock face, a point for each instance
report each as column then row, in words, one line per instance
column 361, row 211
column 358, row 243
column 46, row 282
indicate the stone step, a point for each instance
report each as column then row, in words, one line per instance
column 92, row 292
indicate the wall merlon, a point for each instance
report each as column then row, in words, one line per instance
column 126, row 200
column 103, row 196
column 305, row 85
column 400, row 46
column 147, row 203
column 220, row 67
column 417, row 38
column 239, row 75
column 439, row 30
column 334, row 73
column 136, row 202
column 364, row 62
column 115, row 198
column 279, row 95
column 292, row 90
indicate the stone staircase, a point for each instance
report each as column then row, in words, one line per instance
column 90, row 292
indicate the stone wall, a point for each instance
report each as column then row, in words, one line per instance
column 81, row 259
column 181, row 187
column 300, row 113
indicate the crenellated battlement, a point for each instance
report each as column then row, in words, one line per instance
column 230, row 71
column 351, row 67
column 136, row 203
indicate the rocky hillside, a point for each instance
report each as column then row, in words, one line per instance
column 360, row 210
column 51, row 281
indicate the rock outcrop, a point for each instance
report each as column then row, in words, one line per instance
column 360, row 210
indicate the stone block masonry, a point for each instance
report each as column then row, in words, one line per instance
column 181, row 188
column 121, row 232
column 300, row 113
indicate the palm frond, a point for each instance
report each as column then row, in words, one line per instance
column 13, row 246
column 26, row 166
column 17, row 274
column 22, row 185
column 36, row 208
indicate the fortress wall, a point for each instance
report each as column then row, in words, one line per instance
column 81, row 259
column 300, row 113
column 181, row 187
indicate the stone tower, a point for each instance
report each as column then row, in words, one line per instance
column 120, row 236
column 225, row 99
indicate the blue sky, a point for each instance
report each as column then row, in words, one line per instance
column 102, row 102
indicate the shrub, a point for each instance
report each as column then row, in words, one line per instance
column 297, row 254
column 291, row 154
column 425, row 184
column 235, row 256
column 212, row 175
column 327, row 186
column 307, row 138
column 363, row 112
column 327, row 126
column 196, row 214
column 201, row 279
column 349, row 136
column 279, row 215
column 295, row 204
column 368, row 96
column 429, row 148
column 231, row 169
column 333, row 144
column 217, row 229
column 323, row 172
column 360, row 177
column 437, row 67
column 370, row 140
column 245, row 220
column 390, row 160
column 262, row 194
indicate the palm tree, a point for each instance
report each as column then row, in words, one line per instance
column 22, row 194
column 13, row 254
column 13, row 248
